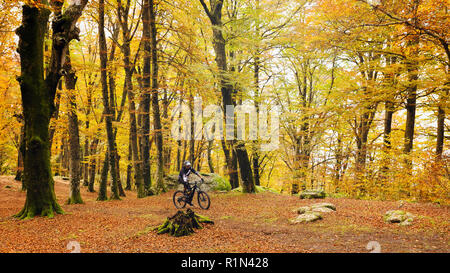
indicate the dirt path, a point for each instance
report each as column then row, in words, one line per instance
column 243, row 223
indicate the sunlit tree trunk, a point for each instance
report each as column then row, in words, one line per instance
column 106, row 103
column 215, row 15
column 74, row 136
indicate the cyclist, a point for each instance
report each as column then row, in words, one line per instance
column 185, row 171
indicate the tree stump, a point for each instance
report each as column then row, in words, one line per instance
column 183, row 223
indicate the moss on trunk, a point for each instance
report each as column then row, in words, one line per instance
column 37, row 110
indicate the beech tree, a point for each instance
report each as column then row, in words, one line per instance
column 214, row 13
column 38, row 94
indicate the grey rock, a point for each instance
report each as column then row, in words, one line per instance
column 302, row 210
column 309, row 216
column 312, row 194
column 322, row 209
column 324, row 205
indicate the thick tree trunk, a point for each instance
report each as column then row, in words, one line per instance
column 74, row 136
column 38, row 96
column 215, row 15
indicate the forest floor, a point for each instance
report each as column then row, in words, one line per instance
column 243, row 223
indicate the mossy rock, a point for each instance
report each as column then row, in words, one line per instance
column 398, row 216
column 312, row 194
column 221, row 183
column 318, row 207
column 307, row 217
column 324, row 205
column 302, row 210
column 322, row 209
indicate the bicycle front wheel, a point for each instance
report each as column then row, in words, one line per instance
column 179, row 199
column 203, row 200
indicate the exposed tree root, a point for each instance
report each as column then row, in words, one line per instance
column 48, row 210
column 75, row 200
column 183, row 223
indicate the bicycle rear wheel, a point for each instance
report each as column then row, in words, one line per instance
column 203, row 200
column 179, row 199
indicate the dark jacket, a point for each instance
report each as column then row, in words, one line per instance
column 185, row 172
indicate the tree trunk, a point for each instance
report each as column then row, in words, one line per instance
column 440, row 128
column 92, row 165
column 107, row 108
column 145, row 99
column 119, row 180
column 137, row 166
column 102, row 195
column 129, row 167
column 86, row 159
column 38, row 96
column 410, row 120
column 411, row 100
column 388, row 115
column 74, row 136
column 231, row 165
column 155, row 104
column 55, row 115
column 20, row 152
column 215, row 15
column 210, row 161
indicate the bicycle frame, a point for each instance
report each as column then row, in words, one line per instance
column 195, row 188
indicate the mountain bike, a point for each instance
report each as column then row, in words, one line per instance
column 181, row 198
